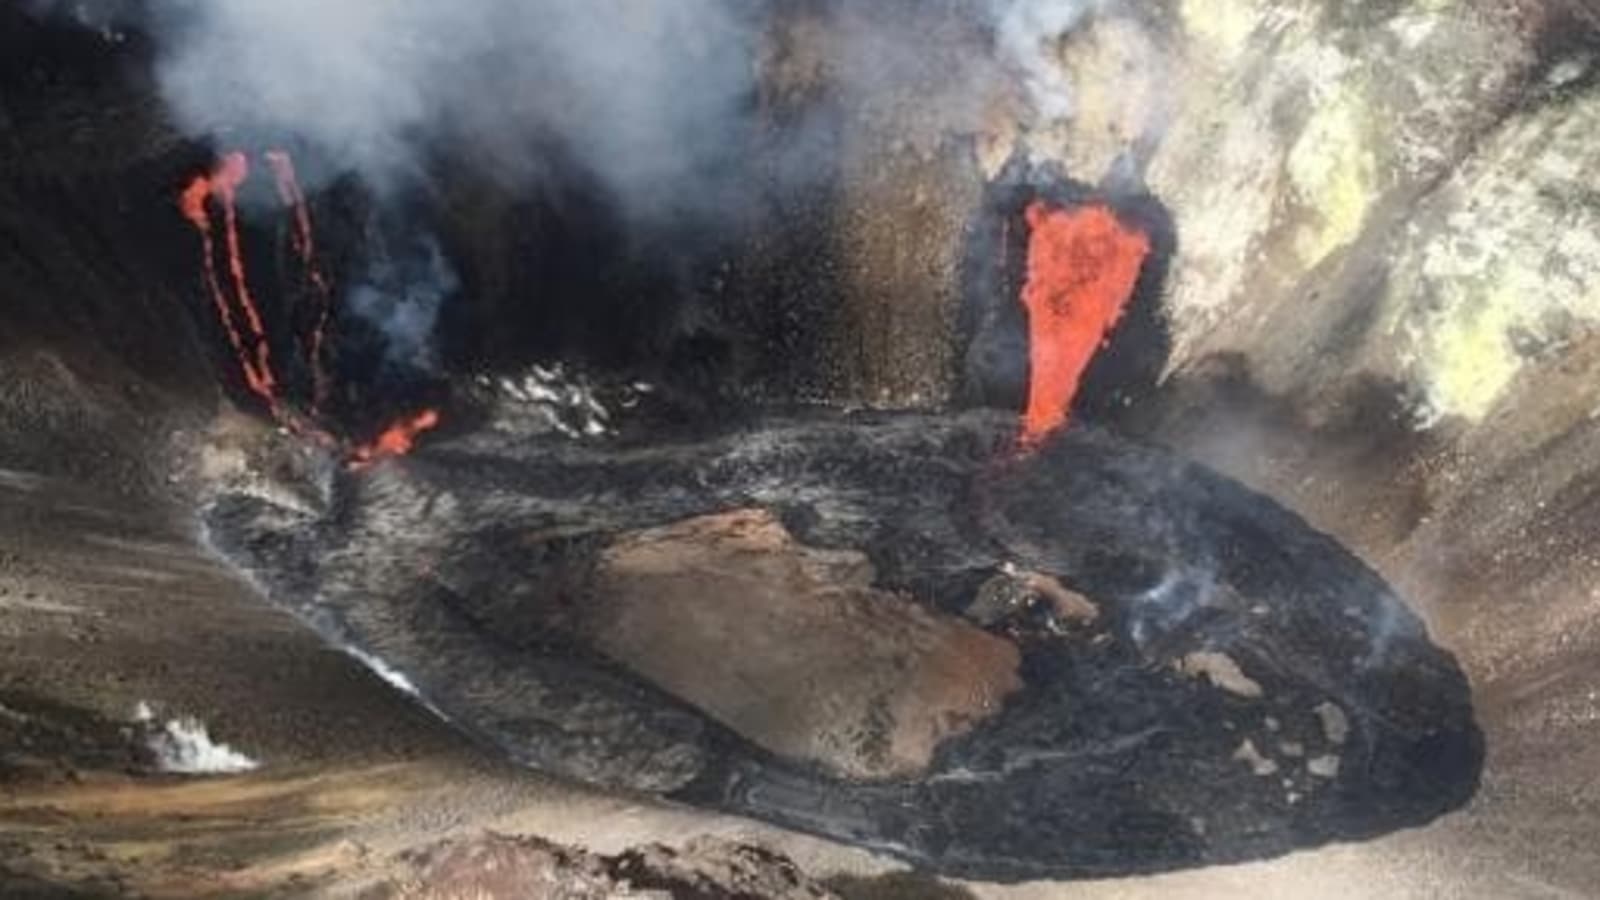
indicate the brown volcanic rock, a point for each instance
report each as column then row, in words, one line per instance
column 713, row 869
column 494, row 866
column 791, row 646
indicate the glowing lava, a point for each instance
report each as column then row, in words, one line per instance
column 250, row 349
column 240, row 316
column 304, row 241
column 1083, row 265
column 396, row 440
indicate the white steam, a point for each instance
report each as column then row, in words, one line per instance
column 401, row 295
column 647, row 94
column 656, row 97
column 183, row 746
column 658, row 100
column 1028, row 35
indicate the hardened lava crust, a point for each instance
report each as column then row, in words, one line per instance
column 1246, row 687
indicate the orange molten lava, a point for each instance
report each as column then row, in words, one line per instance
column 241, row 317
column 304, row 242
column 396, row 440
column 251, row 350
column 1083, row 264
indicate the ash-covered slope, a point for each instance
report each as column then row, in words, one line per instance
column 1244, row 687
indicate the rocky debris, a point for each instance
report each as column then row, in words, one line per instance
column 253, row 457
column 501, row 867
column 1065, row 604
column 1324, row 767
column 715, row 869
column 494, row 867
column 1335, row 724
column 556, row 398
column 1250, row 756
column 1013, row 592
column 1221, row 670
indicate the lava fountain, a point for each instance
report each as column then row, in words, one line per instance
column 1083, row 265
column 210, row 203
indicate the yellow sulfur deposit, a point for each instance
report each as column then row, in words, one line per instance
column 1222, row 26
column 1469, row 359
column 1334, row 174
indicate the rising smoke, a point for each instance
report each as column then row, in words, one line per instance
column 653, row 95
column 401, row 294
column 657, row 99
column 648, row 95
column 1028, row 35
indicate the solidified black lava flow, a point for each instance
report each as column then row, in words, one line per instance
column 1110, row 760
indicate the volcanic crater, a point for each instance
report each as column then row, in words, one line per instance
column 900, row 503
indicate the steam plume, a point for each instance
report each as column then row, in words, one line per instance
column 401, row 295
column 1028, row 34
column 648, row 94
column 654, row 96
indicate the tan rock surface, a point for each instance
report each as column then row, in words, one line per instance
column 792, row 646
